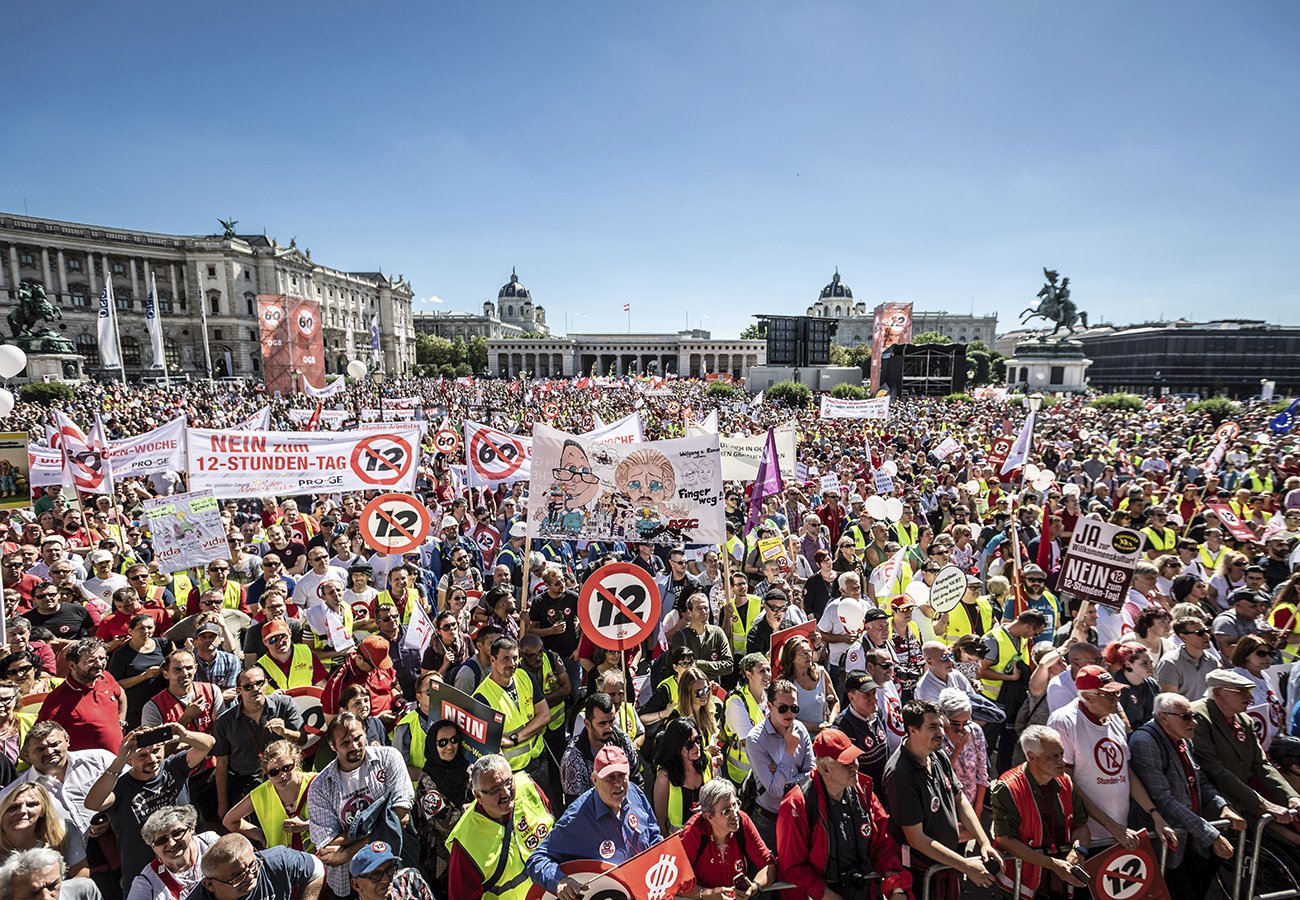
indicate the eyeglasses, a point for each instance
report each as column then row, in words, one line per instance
column 1264, row 653
column 382, row 874
column 20, row 671
column 884, row 665
column 1035, row 581
column 280, row 770
column 218, row 568
column 693, row 742
column 448, row 742
column 385, row 618
column 701, row 693
column 777, row 607
column 451, row 628
column 247, row 873
column 1185, row 716
column 783, row 708
column 253, row 687
column 175, row 834
column 277, row 639
column 1201, row 633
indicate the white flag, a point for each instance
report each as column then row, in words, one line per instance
column 1020, row 449
column 327, row 623
column 883, row 576
column 757, row 401
column 374, row 338
column 154, row 323
column 108, row 355
column 419, row 631
column 349, row 342
column 324, row 393
column 258, row 421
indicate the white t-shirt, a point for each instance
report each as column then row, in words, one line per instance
column 103, row 587
column 928, row 686
column 831, row 623
column 306, row 593
column 1060, row 691
column 1110, row 625
column 1099, row 754
column 148, row 886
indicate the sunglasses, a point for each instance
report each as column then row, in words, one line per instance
column 1201, row 633
column 701, row 693
column 1264, row 653
column 1035, row 581
column 175, row 834
column 448, row 742
column 1186, row 717
column 253, row 686
column 281, row 770
column 783, row 708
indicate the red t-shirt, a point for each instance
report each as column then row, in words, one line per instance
column 379, row 682
column 118, row 625
column 91, row 715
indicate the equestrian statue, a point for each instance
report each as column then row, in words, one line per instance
column 1055, row 305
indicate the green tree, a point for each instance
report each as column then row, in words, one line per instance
column 1217, row 408
column 979, row 369
column 755, row 331
column 46, row 393
column 1118, row 403
column 930, row 337
column 790, row 393
column 846, row 391
column 719, row 390
column 434, row 351
column 478, row 354
column 839, row 356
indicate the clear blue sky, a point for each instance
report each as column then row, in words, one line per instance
column 705, row 159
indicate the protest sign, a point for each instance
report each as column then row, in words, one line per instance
column 159, row 450
column 262, row 463
column 186, row 530
column 494, row 456
column 830, row 482
column 740, row 455
column 46, row 466
column 947, row 447
column 662, row 492
column 875, row 408
column 1098, row 566
column 884, row 482
column 1231, row 521
column 15, row 471
column 331, row 419
column 480, row 725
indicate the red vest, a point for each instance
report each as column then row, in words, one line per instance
column 1031, row 826
column 172, row 709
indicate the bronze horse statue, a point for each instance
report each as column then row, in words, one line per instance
column 33, row 308
column 1055, row 305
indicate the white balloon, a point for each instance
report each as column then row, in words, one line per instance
column 12, row 361
column 972, row 487
column 357, row 369
column 876, row 507
column 893, row 509
column 1084, row 434
column 1070, row 489
column 918, row 591
column 6, row 402
column 1043, row 481
column 852, row 614
column 1031, row 471
column 890, row 466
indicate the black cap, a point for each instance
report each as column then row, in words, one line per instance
column 875, row 615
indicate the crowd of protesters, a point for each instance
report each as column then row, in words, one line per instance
column 153, row 743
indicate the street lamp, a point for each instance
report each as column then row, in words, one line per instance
column 378, row 378
column 1035, row 401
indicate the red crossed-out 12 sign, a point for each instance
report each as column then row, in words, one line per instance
column 394, row 523
column 382, row 460
column 618, row 606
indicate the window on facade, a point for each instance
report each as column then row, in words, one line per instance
column 171, row 353
column 123, row 300
column 119, row 268
column 248, row 276
column 74, row 265
column 165, row 304
column 88, row 349
column 78, row 299
column 250, row 301
column 26, row 259
column 130, row 352
column 293, row 280
column 212, row 271
column 256, row 363
column 214, row 304
column 1057, row 376
column 216, row 334
column 252, row 334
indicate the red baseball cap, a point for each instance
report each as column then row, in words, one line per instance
column 610, row 760
column 1095, row 678
column 831, row 743
column 375, row 650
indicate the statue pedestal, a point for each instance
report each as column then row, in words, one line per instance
column 52, row 367
column 1043, row 364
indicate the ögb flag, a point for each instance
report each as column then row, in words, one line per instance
column 337, row 386
column 257, row 463
column 277, row 353
column 159, row 450
column 662, row 492
column 46, row 466
column 83, row 457
column 740, row 455
column 258, row 421
column 308, row 353
column 153, row 324
column 875, row 408
column 891, row 325
column 106, row 326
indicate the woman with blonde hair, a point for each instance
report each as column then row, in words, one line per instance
column 278, row 806
column 1229, row 575
column 29, row 819
column 814, row 692
column 695, row 701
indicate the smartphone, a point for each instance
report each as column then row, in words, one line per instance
column 153, row 736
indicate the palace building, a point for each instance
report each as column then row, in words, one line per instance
column 205, row 282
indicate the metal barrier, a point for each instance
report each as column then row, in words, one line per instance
column 1254, row 867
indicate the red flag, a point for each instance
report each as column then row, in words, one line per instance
column 659, row 873
column 1044, row 539
column 313, row 424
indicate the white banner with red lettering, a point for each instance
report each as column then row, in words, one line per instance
column 258, row 421
column 337, row 386
column 265, row 463
column 47, row 466
column 160, row 450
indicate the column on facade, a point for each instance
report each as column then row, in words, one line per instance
column 92, row 277
column 64, row 291
column 45, row 267
column 13, row 266
column 171, row 275
column 135, row 281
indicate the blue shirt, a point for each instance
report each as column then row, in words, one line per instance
column 1040, row 603
column 773, row 768
column 589, row 829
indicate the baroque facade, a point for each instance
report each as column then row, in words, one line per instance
column 512, row 315
column 687, row 354
column 204, row 282
column 836, row 302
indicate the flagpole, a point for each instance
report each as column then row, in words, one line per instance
column 203, row 317
column 107, row 463
column 162, row 339
column 117, row 332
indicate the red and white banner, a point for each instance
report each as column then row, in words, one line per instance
column 258, row 421
column 493, row 456
column 1231, row 521
column 307, row 339
column 875, row 408
column 263, row 463
column 159, row 450
column 47, row 466
column 892, row 325
column 331, row 419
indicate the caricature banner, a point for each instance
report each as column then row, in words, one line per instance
column 659, row 492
